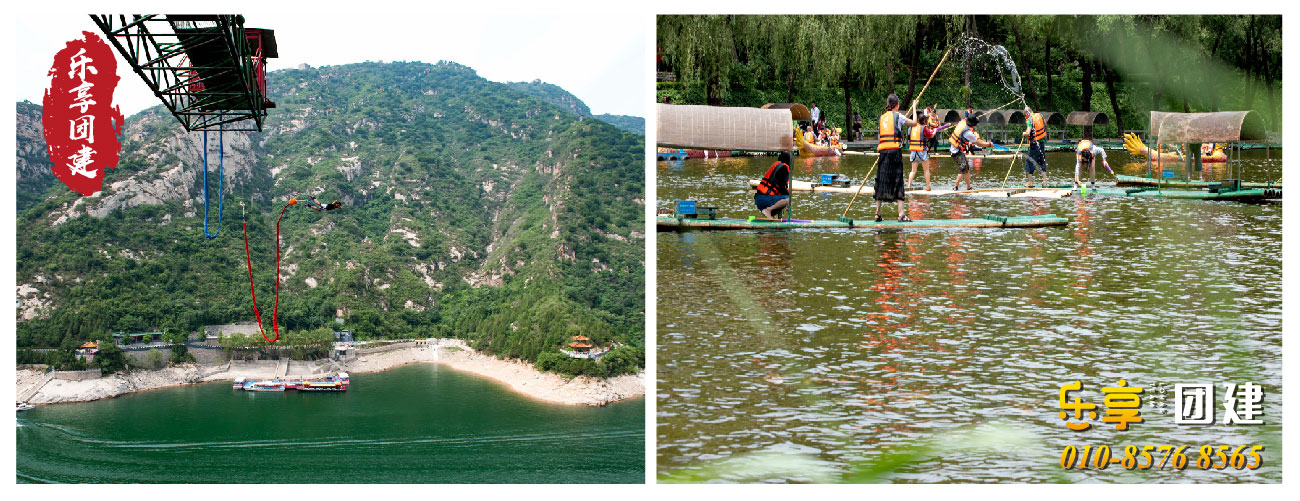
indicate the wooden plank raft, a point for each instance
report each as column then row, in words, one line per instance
column 669, row 223
column 1146, row 181
column 989, row 193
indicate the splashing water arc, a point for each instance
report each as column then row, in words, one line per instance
column 985, row 54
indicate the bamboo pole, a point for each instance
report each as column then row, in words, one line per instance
column 1013, row 162
column 911, row 112
column 927, row 81
column 860, row 185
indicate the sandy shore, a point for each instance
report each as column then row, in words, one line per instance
column 519, row 376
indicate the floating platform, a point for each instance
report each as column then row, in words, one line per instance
column 1146, row 181
column 670, row 223
column 1231, row 196
column 1050, row 192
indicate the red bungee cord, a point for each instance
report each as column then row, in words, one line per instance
column 276, row 308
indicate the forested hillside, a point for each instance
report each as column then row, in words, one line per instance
column 470, row 209
column 562, row 98
column 1123, row 65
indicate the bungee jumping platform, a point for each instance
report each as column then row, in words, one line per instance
column 681, row 223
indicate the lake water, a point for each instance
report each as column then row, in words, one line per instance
column 805, row 355
column 414, row 424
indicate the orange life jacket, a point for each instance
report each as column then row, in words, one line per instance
column 1084, row 145
column 890, row 137
column 933, row 120
column 956, row 138
column 916, row 140
column 765, row 185
column 1040, row 129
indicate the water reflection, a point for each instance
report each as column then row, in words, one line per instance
column 840, row 346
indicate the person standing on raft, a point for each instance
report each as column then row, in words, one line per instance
column 1087, row 153
column 918, row 140
column 963, row 141
column 773, row 194
column 1036, row 133
column 889, row 179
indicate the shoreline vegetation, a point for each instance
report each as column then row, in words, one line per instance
column 521, row 377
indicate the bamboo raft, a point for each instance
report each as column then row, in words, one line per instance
column 671, row 223
column 1147, row 181
column 1232, row 196
column 991, row 156
column 1051, row 192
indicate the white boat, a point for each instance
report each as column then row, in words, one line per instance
column 239, row 382
column 23, row 406
column 264, row 386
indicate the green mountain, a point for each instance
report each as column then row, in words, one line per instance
column 469, row 209
column 562, row 98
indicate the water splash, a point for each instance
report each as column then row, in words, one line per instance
column 983, row 55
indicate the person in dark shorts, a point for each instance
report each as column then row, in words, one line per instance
column 1036, row 133
column 773, row 194
column 889, row 178
column 963, row 141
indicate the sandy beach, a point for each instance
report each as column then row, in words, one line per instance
column 454, row 353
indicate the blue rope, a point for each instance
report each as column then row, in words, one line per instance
column 221, row 181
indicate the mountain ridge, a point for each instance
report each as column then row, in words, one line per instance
column 470, row 209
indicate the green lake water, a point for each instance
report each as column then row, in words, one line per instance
column 414, row 424
column 802, row 355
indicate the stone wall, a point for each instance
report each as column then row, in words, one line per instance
column 77, row 375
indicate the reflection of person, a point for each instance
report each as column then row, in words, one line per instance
column 1087, row 153
column 963, row 141
column 889, row 179
column 773, row 194
column 1036, row 132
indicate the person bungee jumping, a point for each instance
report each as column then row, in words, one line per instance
column 773, row 194
column 963, row 141
column 1087, row 153
column 314, row 205
column 889, row 179
column 1036, row 133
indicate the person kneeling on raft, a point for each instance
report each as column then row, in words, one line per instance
column 1087, row 153
column 773, row 194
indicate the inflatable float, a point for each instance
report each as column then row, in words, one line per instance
column 813, row 150
column 1136, row 148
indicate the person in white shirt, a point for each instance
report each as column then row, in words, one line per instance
column 1087, row 153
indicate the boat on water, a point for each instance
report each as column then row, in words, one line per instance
column 329, row 384
column 807, row 149
column 273, row 385
column 1137, row 148
column 335, row 382
column 671, row 154
column 24, row 406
